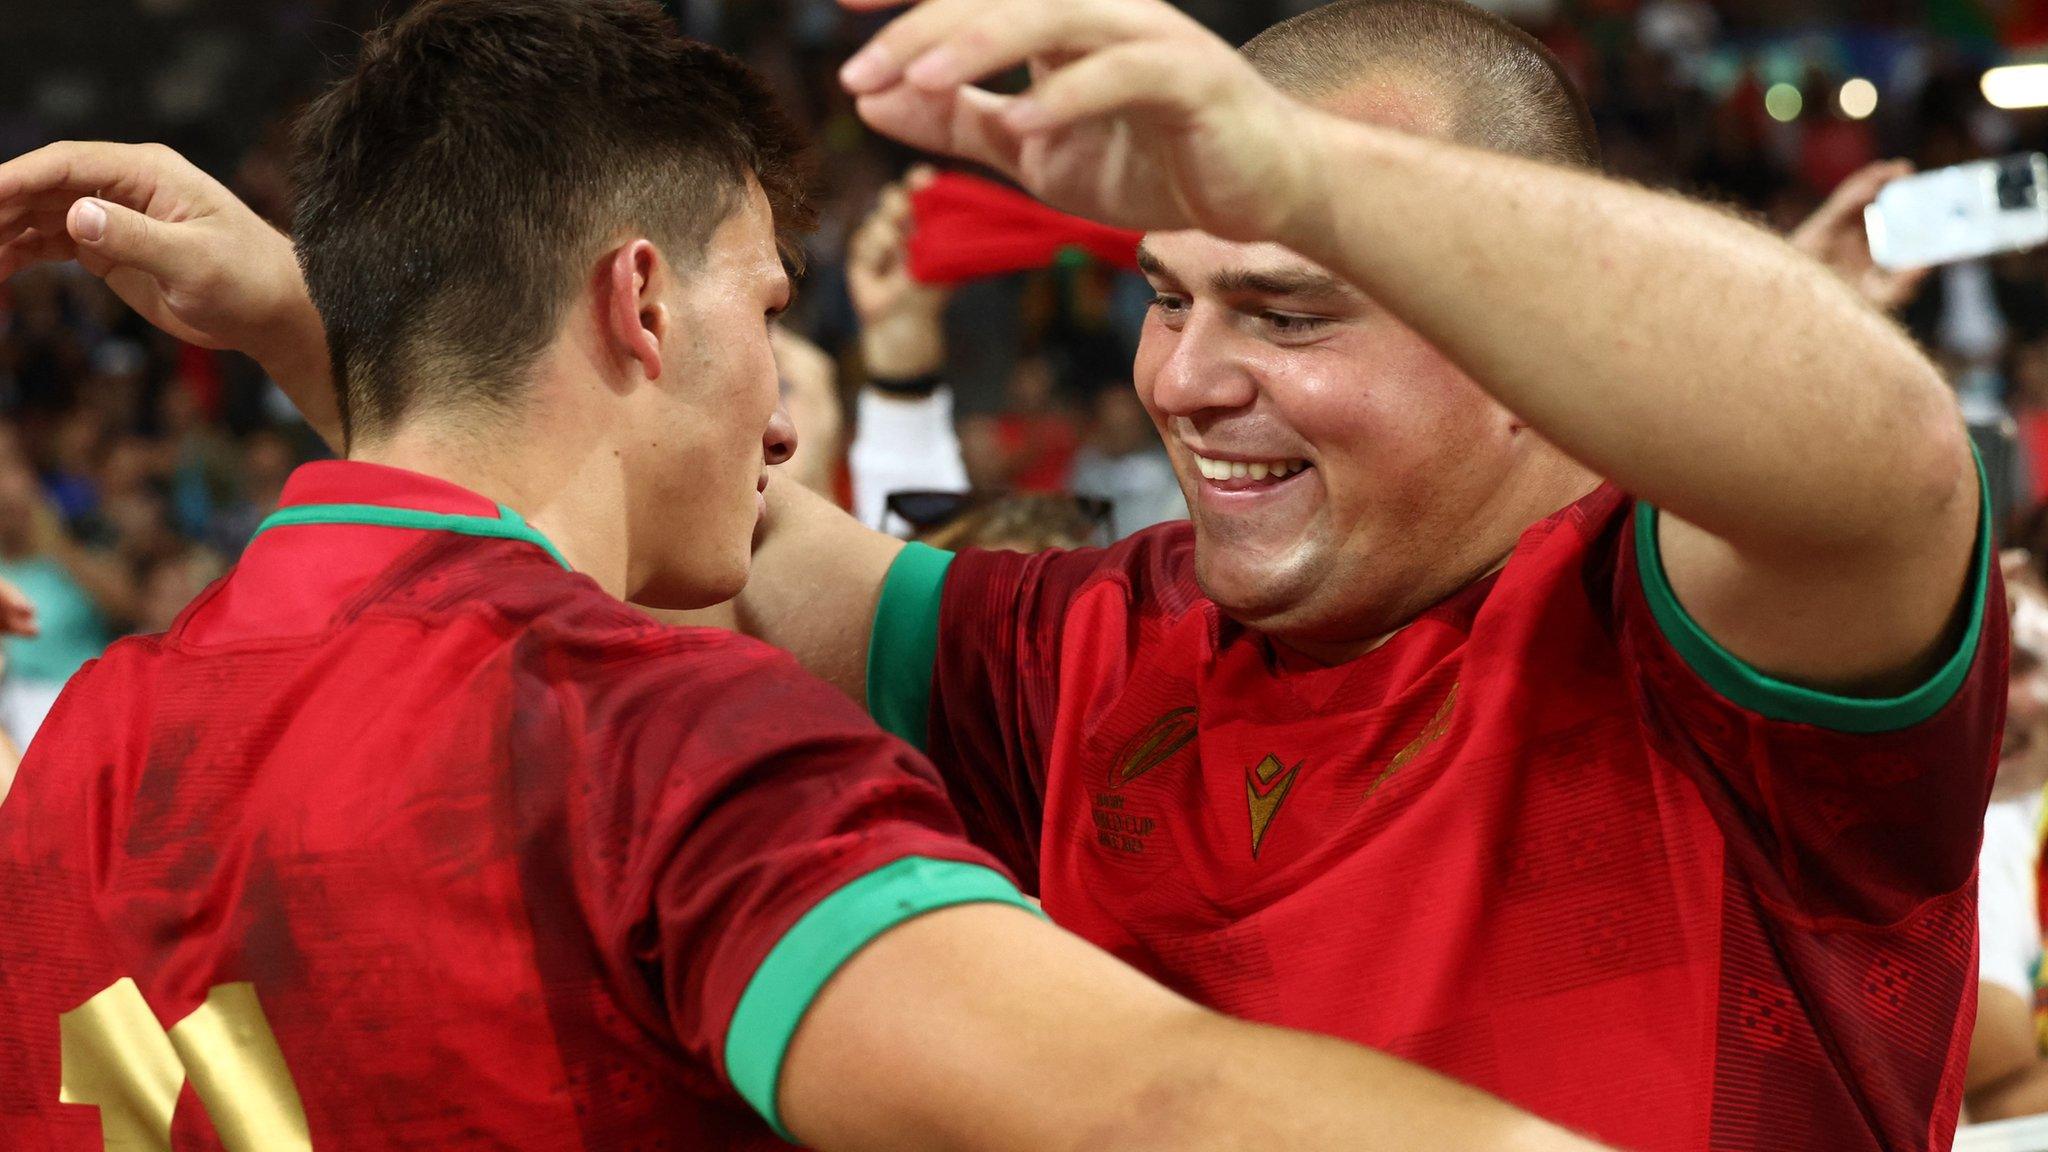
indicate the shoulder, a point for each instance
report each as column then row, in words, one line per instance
column 627, row 672
column 563, row 635
column 1581, row 543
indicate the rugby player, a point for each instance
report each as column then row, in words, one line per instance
column 410, row 833
column 1600, row 701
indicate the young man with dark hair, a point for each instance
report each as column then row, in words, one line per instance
column 410, row 833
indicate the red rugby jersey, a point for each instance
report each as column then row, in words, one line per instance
column 1549, row 839
column 405, row 836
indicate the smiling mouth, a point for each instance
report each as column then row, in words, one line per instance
column 1248, row 475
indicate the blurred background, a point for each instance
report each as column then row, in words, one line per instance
column 133, row 469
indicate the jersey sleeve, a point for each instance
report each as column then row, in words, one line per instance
column 964, row 662
column 744, row 830
column 1839, row 808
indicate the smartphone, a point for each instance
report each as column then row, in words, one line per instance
column 1960, row 213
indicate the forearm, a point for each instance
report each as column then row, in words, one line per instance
column 292, row 350
column 2025, row 1093
column 1691, row 358
column 1196, row 1081
column 816, row 579
column 1334, row 1095
column 980, row 1028
column 301, row 367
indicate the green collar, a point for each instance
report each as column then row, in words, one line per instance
column 508, row 525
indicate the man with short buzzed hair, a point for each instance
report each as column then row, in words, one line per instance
column 1582, row 671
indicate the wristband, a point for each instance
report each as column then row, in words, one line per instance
column 908, row 387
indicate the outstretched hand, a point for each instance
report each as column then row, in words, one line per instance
column 177, row 246
column 169, row 239
column 1835, row 236
column 1137, row 115
column 17, row 612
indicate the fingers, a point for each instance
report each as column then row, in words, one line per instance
column 33, row 247
column 878, row 245
column 129, row 173
column 1004, row 39
column 44, row 210
column 966, row 122
column 114, row 236
column 1145, row 75
column 1891, row 291
column 1860, row 190
column 1844, row 207
column 17, row 612
column 942, row 44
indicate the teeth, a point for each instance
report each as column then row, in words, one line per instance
column 1240, row 470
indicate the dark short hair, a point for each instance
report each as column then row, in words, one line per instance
column 453, row 190
column 1505, row 91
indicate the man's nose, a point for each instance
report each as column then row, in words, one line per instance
column 1204, row 371
column 778, row 444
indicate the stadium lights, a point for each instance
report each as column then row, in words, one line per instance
column 2017, row 86
column 1784, row 102
column 1858, row 99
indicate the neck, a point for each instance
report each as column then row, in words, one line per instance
column 569, row 488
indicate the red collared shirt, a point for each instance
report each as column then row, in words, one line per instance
column 405, row 835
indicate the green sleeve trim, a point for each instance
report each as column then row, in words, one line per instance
column 903, row 649
column 817, row 945
column 508, row 525
column 1774, row 699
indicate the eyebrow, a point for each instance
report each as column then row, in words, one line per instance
column 1244, row 282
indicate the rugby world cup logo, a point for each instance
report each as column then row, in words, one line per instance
column 1152, row 746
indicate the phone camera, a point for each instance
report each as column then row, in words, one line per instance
column 2017, row 187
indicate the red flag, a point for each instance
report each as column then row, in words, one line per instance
column 969, row 228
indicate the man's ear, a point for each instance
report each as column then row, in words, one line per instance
column 636, row 322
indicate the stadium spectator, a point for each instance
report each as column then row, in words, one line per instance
column 1121, row 461
column 77, row 594
column 810, row 394
column 905, row 438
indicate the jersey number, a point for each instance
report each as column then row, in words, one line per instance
column 118, row 1059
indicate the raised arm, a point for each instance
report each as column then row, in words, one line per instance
column 180, row 249
column 1821, row 503
column 196, row 262
column 987, row 1029
column 815, row 584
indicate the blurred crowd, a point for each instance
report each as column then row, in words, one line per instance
column 133, row 469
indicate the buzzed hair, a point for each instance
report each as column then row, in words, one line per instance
column 1504, row 90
